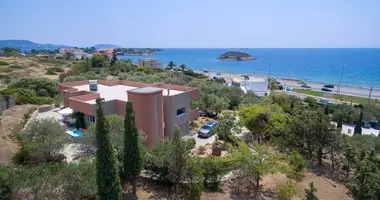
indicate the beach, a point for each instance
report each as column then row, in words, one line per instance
column 293, row 83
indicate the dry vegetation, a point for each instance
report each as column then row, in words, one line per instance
column 12, row 121
column 28, row 66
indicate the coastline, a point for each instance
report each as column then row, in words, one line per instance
column 351, row 90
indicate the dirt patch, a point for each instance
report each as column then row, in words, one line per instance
column 12, row 121
column 31, row 67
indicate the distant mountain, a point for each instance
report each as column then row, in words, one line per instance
column 104, row 46
column 26, row 45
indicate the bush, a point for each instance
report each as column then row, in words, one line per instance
column 3, row 63
column 190, row 144
column 288, row 190
column 6, row 70
column 17, row 67
column 50, row 72
column 55, row 69
column 26, row 96
column 44, row 139
column 36, row 83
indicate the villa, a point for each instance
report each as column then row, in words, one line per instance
column 159, row 108
column 257, row 85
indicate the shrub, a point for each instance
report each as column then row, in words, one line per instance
column 50, row 72
column 3, row 63
column 288, row 190
column 17, row 67
column 6, row 70
column 55, row 69
column 36, row 83
column 44, row 139
column 26, row 96
column 51, row 61
column 190, row 144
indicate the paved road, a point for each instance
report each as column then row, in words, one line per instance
column 347, row 90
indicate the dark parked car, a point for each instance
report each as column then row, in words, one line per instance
column 329, row 86
column 366, row 124
column 305, row 86
column 375, row 125
column 205, row 113
column 324, row 101
column 326, row 89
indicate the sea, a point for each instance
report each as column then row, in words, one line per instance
column 354, row 66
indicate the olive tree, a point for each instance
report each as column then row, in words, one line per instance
column 43, row 139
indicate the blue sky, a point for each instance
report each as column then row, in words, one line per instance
column 194, row 23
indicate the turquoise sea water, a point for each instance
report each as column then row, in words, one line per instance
column 320, row 65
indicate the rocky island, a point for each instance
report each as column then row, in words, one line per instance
column 234, row 55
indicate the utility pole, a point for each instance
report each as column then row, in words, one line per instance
column 340, row 80
column 369, row 97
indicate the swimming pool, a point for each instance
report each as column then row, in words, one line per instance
column 78, row 132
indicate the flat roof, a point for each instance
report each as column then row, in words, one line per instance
column 147, row 89
column 119, row 92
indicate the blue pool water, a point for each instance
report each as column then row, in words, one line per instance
column 78, row 132
column 321, row 65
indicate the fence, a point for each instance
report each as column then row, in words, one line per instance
column 7, row 101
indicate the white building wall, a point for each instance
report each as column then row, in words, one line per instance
column 259, row 88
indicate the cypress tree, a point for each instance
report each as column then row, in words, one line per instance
column 177, row 166
column 106, row 168
column 327, row 111
column 339, row 124
column 114, row 57
column 310, row 192
column 358, row 126
column 132, row 156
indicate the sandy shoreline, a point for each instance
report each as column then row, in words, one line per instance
column 293, row 83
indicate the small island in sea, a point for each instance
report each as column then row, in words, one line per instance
column 234, row 55
column 136, row 51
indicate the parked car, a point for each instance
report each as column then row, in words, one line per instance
column 326, row 89
column 305, row 86
column 205, row 113
column 329, row 86
column 206, row 130
column 324, row 101
column 366, row 124
column 375, row 125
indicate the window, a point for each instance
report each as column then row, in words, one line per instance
column 91, row 119
column 181, row 112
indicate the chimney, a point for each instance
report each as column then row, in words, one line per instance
column 93, row 85
column 168, row 91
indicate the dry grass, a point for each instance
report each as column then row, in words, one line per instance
column 12, row 121
column 28, row 66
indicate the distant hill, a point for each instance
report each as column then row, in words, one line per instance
column 108, row 46
column 26, row 45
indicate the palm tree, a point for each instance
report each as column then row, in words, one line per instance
column 171, row 64
column 183, row 67
column 272, row 85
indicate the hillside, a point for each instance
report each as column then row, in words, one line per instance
column 26, row 45
column 104, row 46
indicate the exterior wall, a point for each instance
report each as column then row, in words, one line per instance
column 259, row 88
column 149, row 115
column 171, row 105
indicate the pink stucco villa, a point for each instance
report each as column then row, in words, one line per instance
column 158, row 107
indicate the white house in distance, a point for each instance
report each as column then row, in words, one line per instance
column 257, row 85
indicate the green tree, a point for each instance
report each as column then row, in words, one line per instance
column 358, row 125
column 297, row 163
column 183, row 67
column 194, row 178
column 99, row 61
column 367, row 177
column 132, row 155
column 43, row 140
column 310, row 192
column 255, row 165
column 79, row 120
column 350, row 154
column 249, row 98
column 68, row 56
column 225, row 126
column 178, row 164
column 114, row 57
column 171, row 65
column 272, row 85
column 106, row 170
column 263, row 120
column 339, row 124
